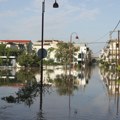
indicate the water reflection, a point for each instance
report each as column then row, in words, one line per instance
column 62, row 80
column 111, row 80
column 28, row 82
column 84, row 75
column 11, row 77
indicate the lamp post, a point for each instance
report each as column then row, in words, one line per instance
column 70, row 49
column 118, row 45
column 55, row 5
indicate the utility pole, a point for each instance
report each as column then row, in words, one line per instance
column 118, row 46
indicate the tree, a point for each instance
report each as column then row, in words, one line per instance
column 1, row 61
column 28, row 48
column 24, row 59
column 28, row 60
column 51, row 49
column 2, row 49
column 64, row 52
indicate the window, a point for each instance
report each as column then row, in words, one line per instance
column 81, row 55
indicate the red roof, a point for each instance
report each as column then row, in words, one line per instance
column 17, row 41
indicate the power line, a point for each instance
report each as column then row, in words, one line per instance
column 102, row 36
column 95, row 42
column 115, row 27
column 108, row 32
column 91, row 42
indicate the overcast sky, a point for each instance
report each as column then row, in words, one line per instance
column 90, row 19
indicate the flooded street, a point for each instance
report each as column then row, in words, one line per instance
column 90, row 96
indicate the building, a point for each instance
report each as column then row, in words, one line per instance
column 19, row 44
column 25, row 45
column 46, row 44
column 49, row 45
column 111, row 53
column 83, row 56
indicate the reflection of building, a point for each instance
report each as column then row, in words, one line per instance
column 84, row 76
column 49, row 73
column 112, row 81
column 81, row 78
column 7, row 74
column 8, row 78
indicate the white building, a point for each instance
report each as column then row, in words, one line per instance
column 47, row 44
column 16, row 44
column 111, row 52
column 19, row 44
column 83, row 56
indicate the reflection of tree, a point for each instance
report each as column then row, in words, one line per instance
column 4, row 77
column 84, row 75
column 26, row 94
column 25, row 75
column 111, row 80
column 30, row 89
column 65, row 85
column 20, row 77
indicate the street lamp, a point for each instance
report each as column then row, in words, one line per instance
column 70, row 49
column 55, row 5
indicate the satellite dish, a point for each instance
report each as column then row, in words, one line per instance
column 42, row 53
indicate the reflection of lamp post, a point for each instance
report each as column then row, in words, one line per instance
column 55, row 5
column 70, row 48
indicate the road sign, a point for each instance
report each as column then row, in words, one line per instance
column 40, row 53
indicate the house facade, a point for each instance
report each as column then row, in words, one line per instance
column 84, row 54
column 19, row 44
column 49, row 45
column 25, row 45
column 111, row 53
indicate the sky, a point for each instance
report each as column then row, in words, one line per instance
column 91, row 20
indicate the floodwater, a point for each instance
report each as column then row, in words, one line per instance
column 91, row 94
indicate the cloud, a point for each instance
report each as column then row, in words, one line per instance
column 88, row 14
column 3, row 0
column 8, row 13
column 28, row 20
column 69, row 14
